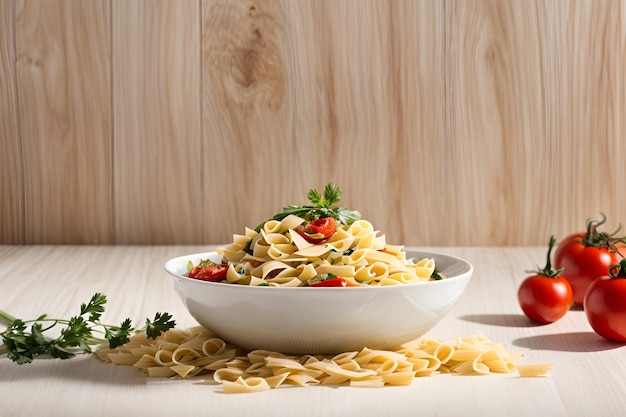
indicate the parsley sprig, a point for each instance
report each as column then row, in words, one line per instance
column 321, row 206
column 24, row 340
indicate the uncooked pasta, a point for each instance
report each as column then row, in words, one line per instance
column 185, row 353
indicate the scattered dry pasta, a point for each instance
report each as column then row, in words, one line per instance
column 185, row 353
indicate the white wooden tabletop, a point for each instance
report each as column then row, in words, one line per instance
column 588, row 377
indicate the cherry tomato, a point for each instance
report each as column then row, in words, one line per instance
column 545, row 296
column 210, row 272
column 335, row 282
column 605, row 304
column 326, row 226
column 319, row 230
column 587, row 256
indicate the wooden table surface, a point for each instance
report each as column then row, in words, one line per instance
column 588, row 377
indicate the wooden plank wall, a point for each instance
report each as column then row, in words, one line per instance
column 445, row 122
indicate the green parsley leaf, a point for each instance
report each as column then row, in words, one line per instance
column 160, row 324
column 24, row 340
column 95, row 307
column 117, row 336
column 321, row 206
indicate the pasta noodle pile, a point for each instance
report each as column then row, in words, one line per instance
column 278, row 255
column 184, row 353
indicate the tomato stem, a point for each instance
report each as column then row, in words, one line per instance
column 598, row 239
column 548, row 271
column 619, row 270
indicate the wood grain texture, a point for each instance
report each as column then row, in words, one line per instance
column 11, row 179
column 64, row 118
column 532, row 95
column 158, row 159
column 247, row 131
column 456, row 122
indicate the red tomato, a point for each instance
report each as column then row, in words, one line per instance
column 319, row 230
column 193, row 272
column 335, row 282
column 326, row 226
column 545, row 296
column 587, row 256
column 211, row 272
column 605, row 304
column 545, row 299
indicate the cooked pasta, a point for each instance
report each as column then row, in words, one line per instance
column 278, row 255
column 196, row 351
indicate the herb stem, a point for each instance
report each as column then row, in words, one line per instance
column 6, row 318
column 24, row 340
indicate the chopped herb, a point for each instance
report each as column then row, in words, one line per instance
column 320, row 278
column 435, row 275
column 248, row 248
column 204, row 263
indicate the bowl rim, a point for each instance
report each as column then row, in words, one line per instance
column 466, row 274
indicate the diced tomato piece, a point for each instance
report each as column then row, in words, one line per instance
column 335, row 282
column 326, row 226
column 318, row 231
column 389, row 251
column 212, row 272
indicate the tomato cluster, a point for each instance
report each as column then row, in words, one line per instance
column 590, row 272
column 587, row 256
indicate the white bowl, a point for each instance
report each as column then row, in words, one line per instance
column 304, row 320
